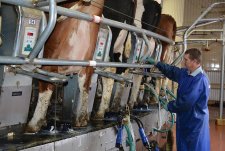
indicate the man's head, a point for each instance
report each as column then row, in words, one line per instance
column 192, row 59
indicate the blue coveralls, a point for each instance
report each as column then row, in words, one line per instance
column 192, row 124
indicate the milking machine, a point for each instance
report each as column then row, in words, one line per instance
column 123, row 121
column 20, row 29
column 162, row 99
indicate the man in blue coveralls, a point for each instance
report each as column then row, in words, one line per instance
column 192, row 124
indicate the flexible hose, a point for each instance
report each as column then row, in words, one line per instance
column 130, row 139
column 172, row 121
column 168, row 129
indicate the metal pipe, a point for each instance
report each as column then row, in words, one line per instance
column 108, row 45
column 191, row 42
column 6, row 60
column 150, row 74
column 57, row 62
column 114, row 76
column 147, row 44
column 41, row 77
column 201, row 16
column 159, row 48
column 51, row 74
column 42, row 28
column 88, row 63
column 211, row 19
column 198, row 25
column 83, row 16
column 222, row 74
column 46, row 33
column 46, row 3
column 18, row 30
column 176, row 61
column 205, row 30
column 199, row 39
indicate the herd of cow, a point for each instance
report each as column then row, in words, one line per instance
column 74, row 39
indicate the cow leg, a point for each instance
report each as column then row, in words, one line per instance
column 38, row 119
column 82, row 114
column 134, row 91
column 84, row 80
column 117, row 98
column 106, row 95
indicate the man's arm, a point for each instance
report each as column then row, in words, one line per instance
column 171, row 72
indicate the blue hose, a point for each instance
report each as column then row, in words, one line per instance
column 119, row 137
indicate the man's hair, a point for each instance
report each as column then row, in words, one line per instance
column 194, row 53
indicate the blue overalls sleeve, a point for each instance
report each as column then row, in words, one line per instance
column 171, row 72
column 188, row 98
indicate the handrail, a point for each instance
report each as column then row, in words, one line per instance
column 60, row 62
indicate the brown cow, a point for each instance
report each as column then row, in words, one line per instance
column 72, row 39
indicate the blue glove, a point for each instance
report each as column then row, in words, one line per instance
column 164, row 103
column 150, row 60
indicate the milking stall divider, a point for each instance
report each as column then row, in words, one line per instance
column 27, row 50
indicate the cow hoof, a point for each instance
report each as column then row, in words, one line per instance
column 84, row 123
column 153, row 101
column 31, row 129
column 81, row 124
column 131, row 105
column 77, row 124
column 98, row 117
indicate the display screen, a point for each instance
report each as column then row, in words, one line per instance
column 30, row 34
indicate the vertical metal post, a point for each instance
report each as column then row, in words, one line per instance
column 222, row 73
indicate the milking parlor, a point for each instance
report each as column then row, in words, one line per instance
column 112, row 75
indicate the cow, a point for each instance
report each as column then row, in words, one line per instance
column 152, row 9
column 72, row 39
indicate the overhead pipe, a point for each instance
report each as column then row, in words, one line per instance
column 198, row 25
column 211, row 19
column 205, row 30
column 96, row 19
column 46, row 33
column 185, row 37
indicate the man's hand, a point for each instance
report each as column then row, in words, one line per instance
column 150, row 60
